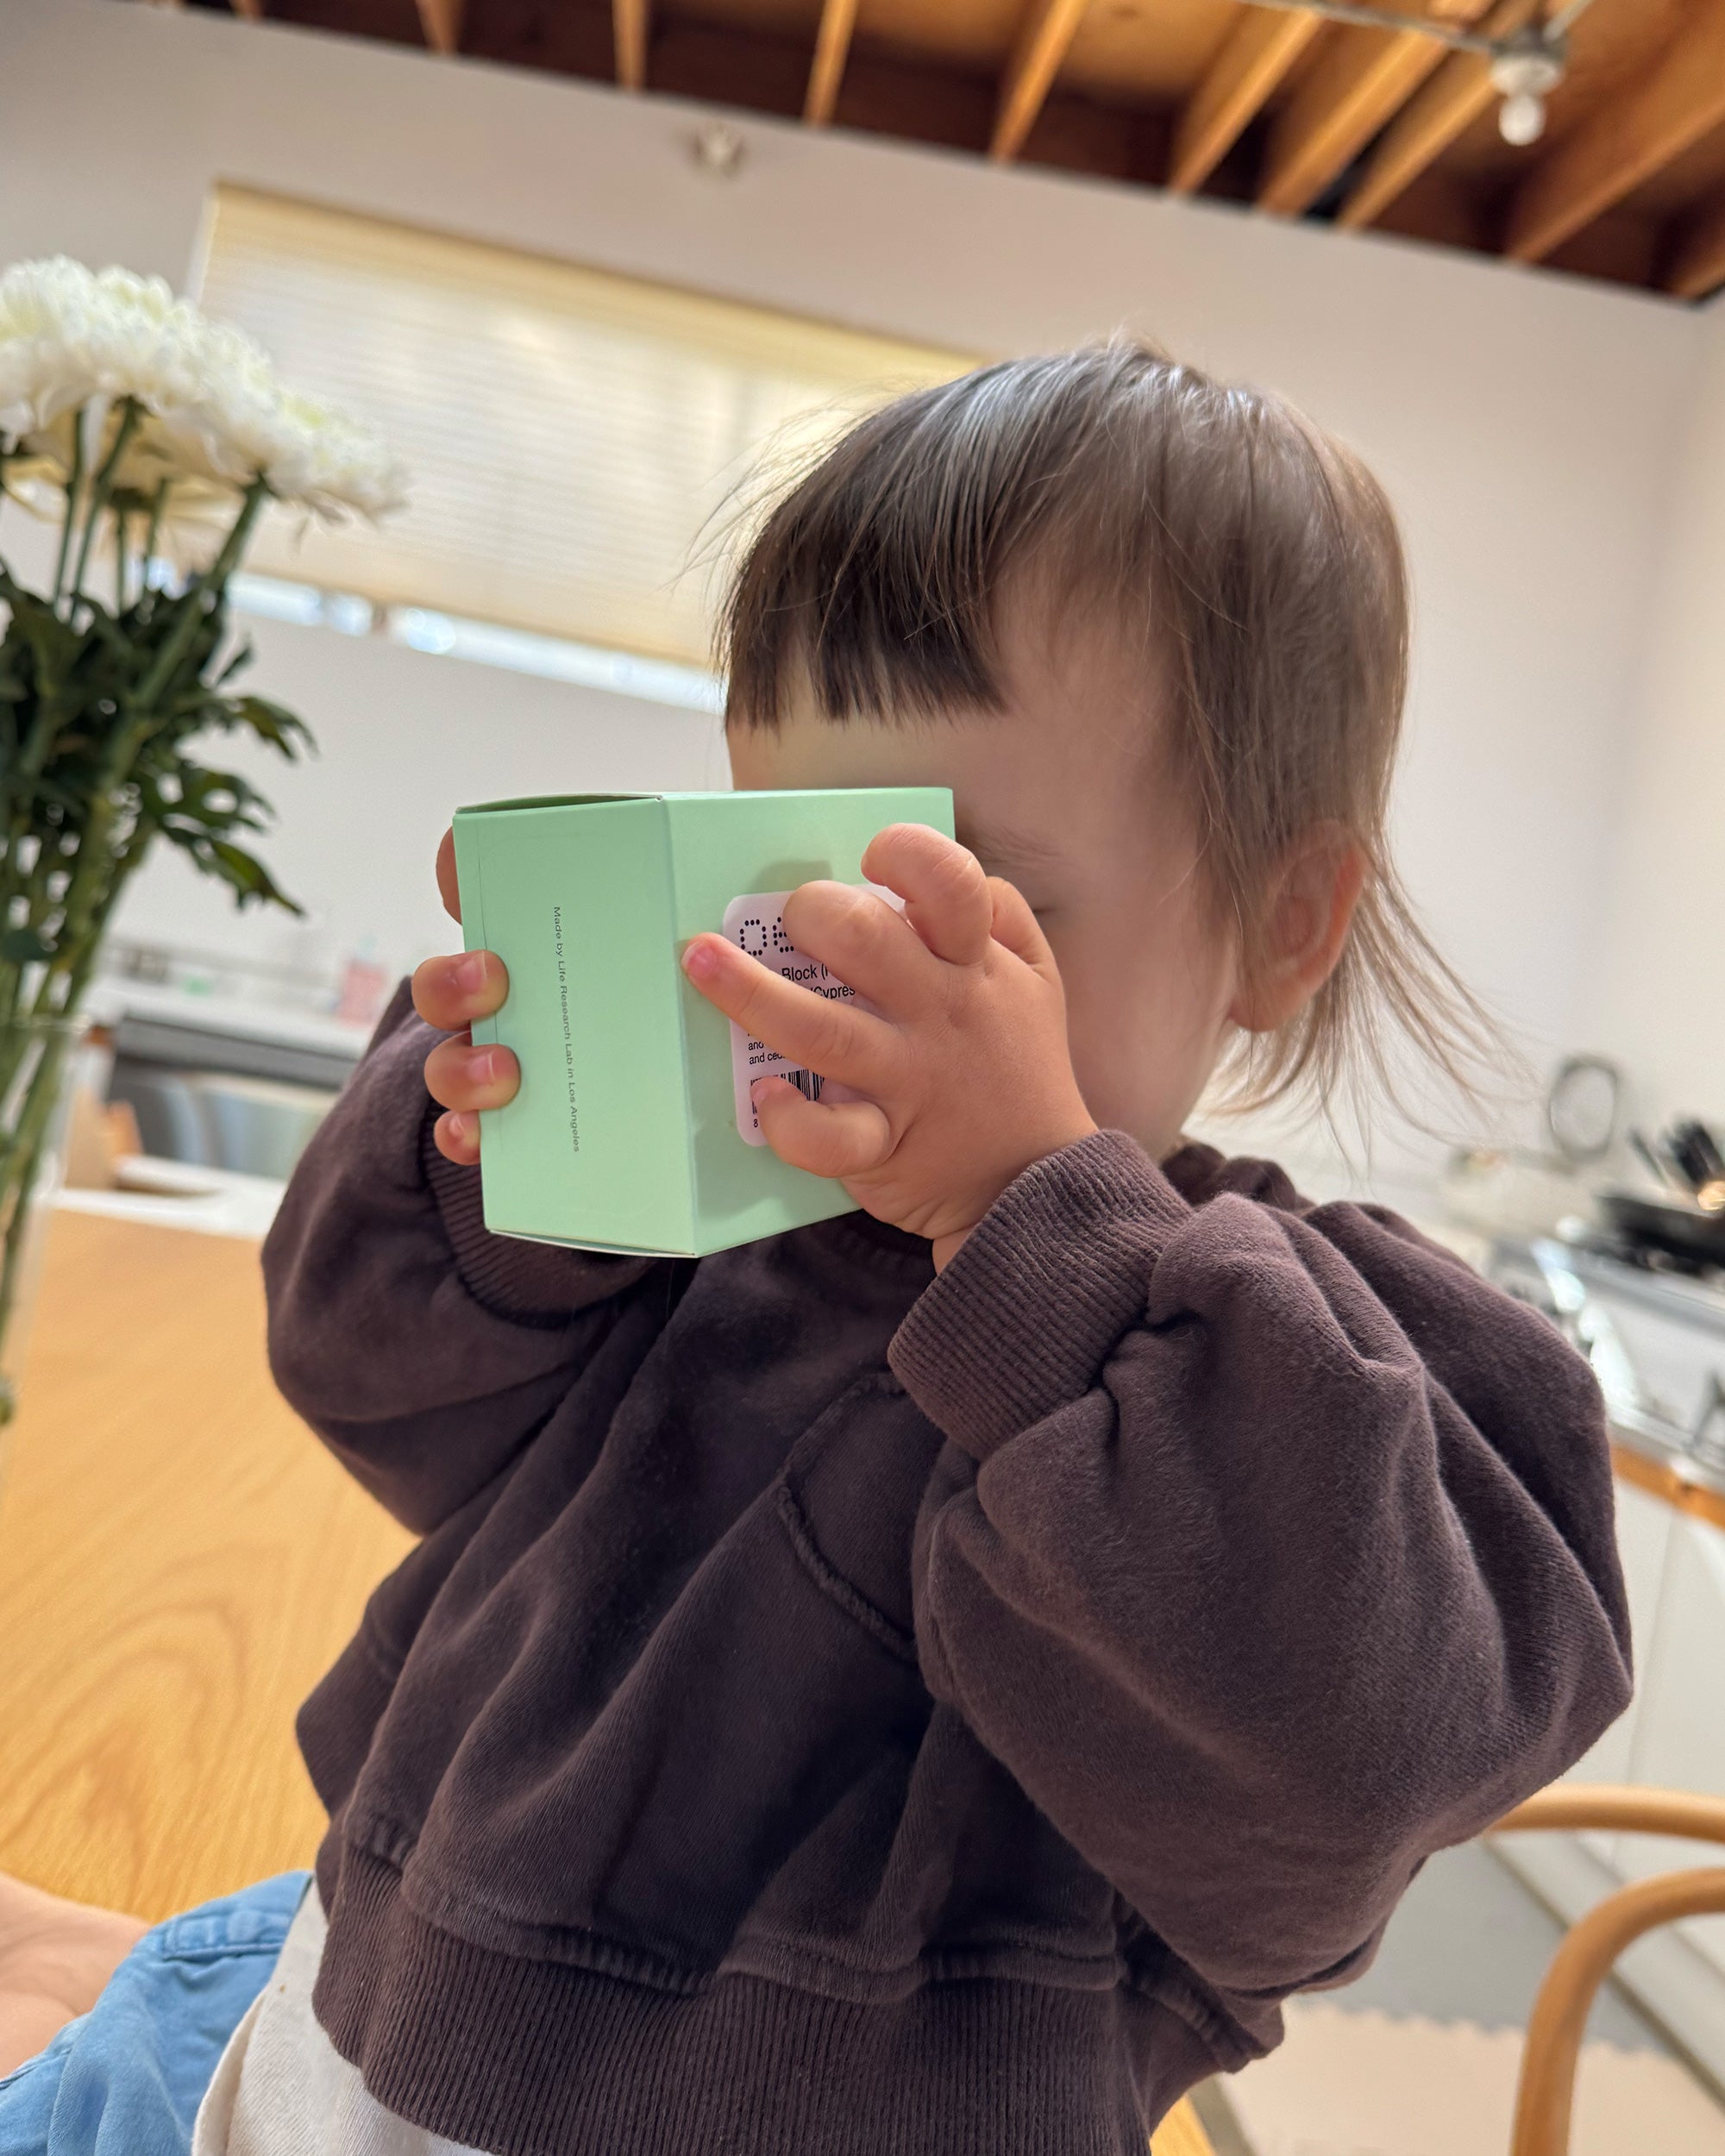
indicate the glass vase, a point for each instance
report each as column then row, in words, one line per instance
column 40, row 1061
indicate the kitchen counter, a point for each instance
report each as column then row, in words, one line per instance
column 165, row 1193
column 1657, row 1343
column 112, row 1000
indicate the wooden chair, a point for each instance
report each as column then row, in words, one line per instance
column 1544, row 2094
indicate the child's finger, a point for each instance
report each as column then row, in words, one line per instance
column 820, row 1033
column 835, row 1138
column 941, row 883
column 458, row 1076
column 457, row 1137
column 867, row 942
column 451, row 992
column 1017, row 927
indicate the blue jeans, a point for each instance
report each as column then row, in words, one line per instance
column 125, row 2079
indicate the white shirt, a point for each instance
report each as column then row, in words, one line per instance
column 282, row 2089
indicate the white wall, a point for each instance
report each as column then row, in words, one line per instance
column 1526, row 423
column 1658, row 1001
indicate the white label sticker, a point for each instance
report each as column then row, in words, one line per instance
column 757, row 923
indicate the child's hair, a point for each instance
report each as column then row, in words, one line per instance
column 1258, row 561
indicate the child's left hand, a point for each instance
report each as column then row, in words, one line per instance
column 966, row 1070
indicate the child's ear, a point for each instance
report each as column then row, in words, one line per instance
column 1310, row 911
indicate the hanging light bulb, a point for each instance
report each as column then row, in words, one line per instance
column 1527, row 70
column 1521, row 118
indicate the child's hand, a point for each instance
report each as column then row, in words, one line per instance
column 450, row 993
column 966, row 1069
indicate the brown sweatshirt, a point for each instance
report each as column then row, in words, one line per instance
column 835, row 1711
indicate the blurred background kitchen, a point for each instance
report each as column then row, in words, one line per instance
column 585, row 265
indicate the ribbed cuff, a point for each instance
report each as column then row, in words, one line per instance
column 1023, row 1318
column 534, row 1283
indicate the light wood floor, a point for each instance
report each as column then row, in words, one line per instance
column 179, row 1561
column 1346, row 2082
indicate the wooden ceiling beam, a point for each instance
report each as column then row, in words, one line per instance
column 1629, row 138
column 629, row 32
column 1263, row 47
column 441, row 21
column 1697, row 268
column 1359, row 84
column 831, row 50
column 1044, row 41
column 1444, row 109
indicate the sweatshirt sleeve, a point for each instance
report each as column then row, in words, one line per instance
column 423, row 1350
column 1271, row 1551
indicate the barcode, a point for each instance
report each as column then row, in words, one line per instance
column 807, row 1082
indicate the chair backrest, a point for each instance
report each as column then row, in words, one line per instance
column 1544, row 2095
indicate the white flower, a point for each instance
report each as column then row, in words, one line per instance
column 214, row 417
column 247, row 426
column 68, row 337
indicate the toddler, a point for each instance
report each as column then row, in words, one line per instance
column 932, row 1684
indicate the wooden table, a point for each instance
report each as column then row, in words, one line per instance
column 179, row 1561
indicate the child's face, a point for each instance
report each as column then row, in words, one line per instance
column 1057, row 793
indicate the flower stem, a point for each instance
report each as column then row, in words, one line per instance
column 28, row 903
column 83, row 961
column 158, row 503
column 75, row 480
column 83, row 910
column 21, row 1165
column 22, row 772
column 174, row 650
column 130, row 413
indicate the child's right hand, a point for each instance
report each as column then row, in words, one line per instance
column 450, row 993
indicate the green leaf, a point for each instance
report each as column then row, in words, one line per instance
column 109, row 629
column 242, row 658
column 272, row 722
column 217, row 801
column 80, row 755
column 23, row 947
column 245, row 875
column 250, row 879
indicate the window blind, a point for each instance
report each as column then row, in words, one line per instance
column 573, row 439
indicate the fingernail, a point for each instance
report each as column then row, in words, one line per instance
column 757, row 1090
column 470, row 973
column 481, row 1065
column 455, row 1127
column 699, row 962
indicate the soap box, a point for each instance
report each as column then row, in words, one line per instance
column 624, row 1135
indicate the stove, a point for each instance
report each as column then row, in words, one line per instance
column 1652, row 1326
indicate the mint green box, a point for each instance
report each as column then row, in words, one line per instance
column 624, row 1135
